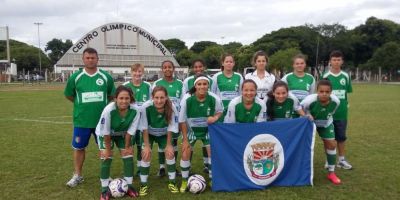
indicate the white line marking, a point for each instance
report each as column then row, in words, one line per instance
column 41, row 121
column 55, row 117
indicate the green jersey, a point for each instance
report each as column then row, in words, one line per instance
column 322, row 114
column 341, row 85
column 113, row 124
column 188, row 83
column 142, row 93
column 286, row 109
column 174, row 89
column 300, row 86
column 154, row 122
column 195, row 113
column 227, row 88
column 90, row 93
column 237, row 111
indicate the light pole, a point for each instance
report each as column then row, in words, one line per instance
column 40, row 59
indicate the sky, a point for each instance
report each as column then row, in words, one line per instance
column 221, row 21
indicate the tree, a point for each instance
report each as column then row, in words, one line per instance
column 387, row 57
column 212, row 56
column 282, row 59
column 57, row 49
column 174, row 45
column 199, row 47
column 232, row 47
column 185, row 57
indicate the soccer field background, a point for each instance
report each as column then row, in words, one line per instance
column 36, row 155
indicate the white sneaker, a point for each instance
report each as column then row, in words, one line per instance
column 75, row 180
column 344, row 164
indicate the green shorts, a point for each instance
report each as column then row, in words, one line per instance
column 119, row 141
column 193, row 137
column 176, row 135
column 160, row 140
column 137, row 138
column 327, row 133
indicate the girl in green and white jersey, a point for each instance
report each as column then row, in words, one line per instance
column 198, row 109
column 246, row 108
column 118, row 124
column 159, row 120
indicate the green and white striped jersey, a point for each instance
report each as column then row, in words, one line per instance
column 300, row 86
column 113, row 124
column 142, row 93
column 155, row 123
column 237, row 111
column 195, row 113
column 323, row 115
column 90, row 92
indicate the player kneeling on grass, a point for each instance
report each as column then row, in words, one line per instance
column 198, row 109
column 321, row 107
column 117, row 125
column 281, row 104
column 246, row 108
column 159, row 120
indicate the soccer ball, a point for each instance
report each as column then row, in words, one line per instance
column 196, row 184
column 118, row 187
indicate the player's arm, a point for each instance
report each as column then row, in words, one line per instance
column 262, row 116
column 183, row 126
column 70, row 98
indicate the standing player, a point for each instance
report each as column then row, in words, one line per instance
column 117, row 125
column 159, row 121
column 263, row 79
column 89, row 89
column 322, row 107
column 174, row 88
column 246, row 108
column 300, row 84
column 281, row 104
column 141, row 91
column 227, row 83
column 198, row 109
column 198, row 68
column 341, row 85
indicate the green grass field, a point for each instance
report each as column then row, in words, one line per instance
column 36, row 158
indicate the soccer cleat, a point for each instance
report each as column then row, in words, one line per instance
column 205, row 170
column 75, row 180
column 132, row 192
column 333, row 178
column 161, row 172
column 144, row 190
column 173, row 188
column 344, row 165
column 105, row 195
column 183, row 186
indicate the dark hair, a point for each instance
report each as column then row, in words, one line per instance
column 168, row 104
column 90, row 50
column 168, row 61
column 198, row 60
column 256, row 55
column 193, row 89
column 299, row 56
column 223, row 57
column 271, row 98
column 336, row 54
column 249, row 81
column 122, row 88
column 324, row 82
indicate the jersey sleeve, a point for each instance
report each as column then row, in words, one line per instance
column 219, row 107
column 335, row 99
column 284, row 79
column 135, row 123
column 262, row 116
column 110, row 86
column 296, row 104
column 349, row 87
column 69, row 90
column 305, row 104
column 182, row 112
column 143, row 123
column 214, row 88
column 185, row 88
column 240, row 84
column 104, row 125
column 173, row 124
column 230, row 116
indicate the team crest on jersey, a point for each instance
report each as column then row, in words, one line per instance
column 99, row 82
column 342, row 81
column 287, row 114
column 263, row 159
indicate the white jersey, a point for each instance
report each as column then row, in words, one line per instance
column 264, row 85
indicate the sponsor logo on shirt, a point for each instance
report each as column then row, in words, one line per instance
column 89, row 97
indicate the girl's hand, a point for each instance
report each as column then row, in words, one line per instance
column 169, row 151
column 128, row 151
column 211, row 119
column 106, row 153
column 146, row 153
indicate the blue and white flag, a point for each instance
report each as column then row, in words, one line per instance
column 253, row 156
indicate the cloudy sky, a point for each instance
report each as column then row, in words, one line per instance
column 221, row 21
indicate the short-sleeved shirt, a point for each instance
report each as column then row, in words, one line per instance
column 142, row 93
column 155, row 123
column 322, row 114
column 263, row 85
column 286, row 109
column 227, row 88
column 237, row 111
column 188, row 83
column 90, row 92
column 112, row 123
column 195, row 113
column 300, row 86
column 341, row 85
column 174, row 89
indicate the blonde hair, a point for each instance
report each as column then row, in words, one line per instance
column 136, row 66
